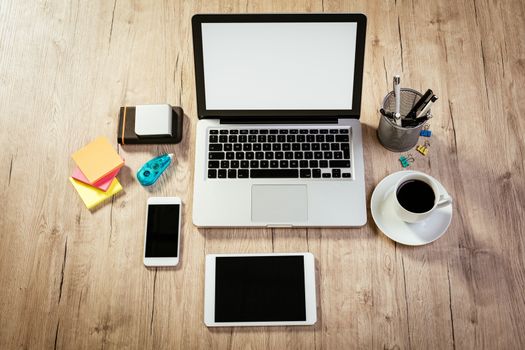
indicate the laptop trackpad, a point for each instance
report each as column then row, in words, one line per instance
column 279, row 204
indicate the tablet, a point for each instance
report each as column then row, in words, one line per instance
column 259, row 290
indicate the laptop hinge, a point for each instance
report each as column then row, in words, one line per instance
column 281, row 120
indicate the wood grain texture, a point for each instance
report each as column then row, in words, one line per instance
column 74, row 279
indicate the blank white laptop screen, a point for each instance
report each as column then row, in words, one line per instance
column 279, row 66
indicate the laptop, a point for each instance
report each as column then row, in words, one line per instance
column 278, row 141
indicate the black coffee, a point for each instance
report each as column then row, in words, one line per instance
column 416, row 196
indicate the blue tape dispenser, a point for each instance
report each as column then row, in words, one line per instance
column 151, row 171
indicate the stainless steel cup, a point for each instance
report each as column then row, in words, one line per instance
column 394, row 137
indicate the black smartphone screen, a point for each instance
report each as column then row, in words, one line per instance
column 162, row 232
column 260, row 289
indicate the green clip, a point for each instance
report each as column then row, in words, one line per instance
column 406, row 160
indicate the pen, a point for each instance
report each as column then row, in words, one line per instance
column 387, row 114
column 397, row 95
column 413, row 122
column 427, row 107
column 419, row 104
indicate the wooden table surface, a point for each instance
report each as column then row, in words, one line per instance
column 74, row 279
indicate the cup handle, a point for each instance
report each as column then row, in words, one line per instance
column 444, row 200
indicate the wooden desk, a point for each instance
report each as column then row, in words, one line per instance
column 73, row 279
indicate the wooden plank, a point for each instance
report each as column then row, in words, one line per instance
column 74, row 279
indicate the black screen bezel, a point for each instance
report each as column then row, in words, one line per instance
column 303, row 115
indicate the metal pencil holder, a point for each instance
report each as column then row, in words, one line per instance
column 392, row 136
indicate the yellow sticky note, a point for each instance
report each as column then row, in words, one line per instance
column 97, row 159
column 92, row 196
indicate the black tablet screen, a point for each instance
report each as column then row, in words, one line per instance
column 260, row 289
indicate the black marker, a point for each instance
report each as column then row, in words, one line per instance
column 413, row 122
column 419, row 104
column 387, row 114
column 427, row 107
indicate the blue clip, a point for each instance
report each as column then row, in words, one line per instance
column 425, row 133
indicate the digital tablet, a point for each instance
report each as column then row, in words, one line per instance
column 259, row 290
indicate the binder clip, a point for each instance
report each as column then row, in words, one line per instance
column 423, row 149
column 425, row 132
column 406, row 160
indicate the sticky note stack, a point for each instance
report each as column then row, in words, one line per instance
column 94, row 178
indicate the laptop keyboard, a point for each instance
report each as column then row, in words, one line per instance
column 279, row 153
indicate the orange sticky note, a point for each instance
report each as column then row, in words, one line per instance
column 92, row 196
column 97, row 159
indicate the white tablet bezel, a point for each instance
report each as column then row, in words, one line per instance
column 309, row 284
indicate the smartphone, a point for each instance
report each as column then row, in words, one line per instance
column 162, row 237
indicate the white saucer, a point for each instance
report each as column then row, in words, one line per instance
column 392, row 226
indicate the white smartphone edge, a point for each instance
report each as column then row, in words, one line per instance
column 309, row 283
column 162, row 262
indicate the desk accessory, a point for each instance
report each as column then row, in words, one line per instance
column 393, row 227
column 406, row 160
column 150, row 172
column 162, row 232
column 423, row 149
column 400, row 138
column 426, row 132
column 420, row 104
column 411, row 123
column 153, row 120
column 308, row 105
column 97, row 159
column 276, row 289
column 426, row 107
column 397, row 94
column 94, row 178
column 390, row 115
column 102, row 184
column 417, row 196
column 92, row 196
column 127, row 130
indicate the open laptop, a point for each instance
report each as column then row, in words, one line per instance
column 278, row 141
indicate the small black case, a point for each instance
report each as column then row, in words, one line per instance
column 126, row 128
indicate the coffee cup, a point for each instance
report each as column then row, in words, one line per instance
column 416, row 196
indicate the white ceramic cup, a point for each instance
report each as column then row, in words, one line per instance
column 442, row 199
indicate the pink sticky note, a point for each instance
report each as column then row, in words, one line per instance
column 102, row 184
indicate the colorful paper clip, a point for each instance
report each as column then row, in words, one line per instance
column 426, row 132
column 423, row 149
column 406, row 160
